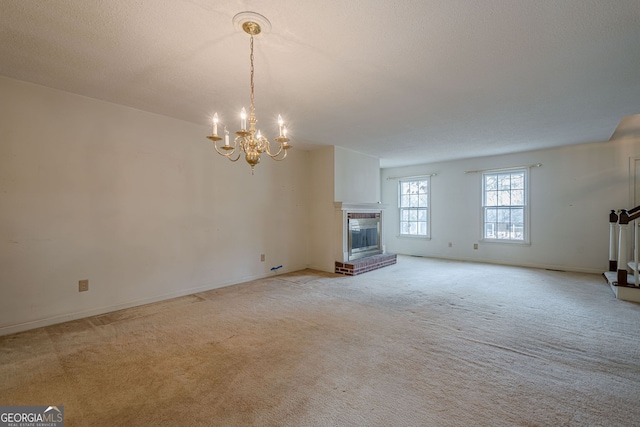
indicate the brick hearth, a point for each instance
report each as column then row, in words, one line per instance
column 362, row 265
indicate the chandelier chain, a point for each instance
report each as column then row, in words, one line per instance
column 252, row 97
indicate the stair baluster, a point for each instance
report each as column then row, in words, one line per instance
column 636, row 243
column 613, row 220
column 622, row 247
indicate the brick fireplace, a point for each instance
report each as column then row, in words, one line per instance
column 359, row 238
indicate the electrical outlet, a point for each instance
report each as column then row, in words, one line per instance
column 83, row 285
column 262, row 257
column 475, row 246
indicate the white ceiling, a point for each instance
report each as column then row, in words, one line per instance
column 408, row 81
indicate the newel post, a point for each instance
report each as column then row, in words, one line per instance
column 623, row 248
column 613, row 259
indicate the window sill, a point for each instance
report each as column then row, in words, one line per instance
column 412, row 236
column 506, row 242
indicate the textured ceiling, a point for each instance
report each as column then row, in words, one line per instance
column 408, row 81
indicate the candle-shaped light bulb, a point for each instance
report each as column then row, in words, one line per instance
column 284, row 131
column 259, row 135
column 215, row 124
column 280, row 123
column 243, row 119
column 226, row 136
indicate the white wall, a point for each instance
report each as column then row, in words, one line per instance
column 337, row 174
column 357, row 177
column 570, row 199
column 142, row 206
column 321, row 209
column 138, row 203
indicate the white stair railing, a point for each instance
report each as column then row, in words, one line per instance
column 624, row 219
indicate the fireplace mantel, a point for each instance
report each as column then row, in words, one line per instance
column 356, row 207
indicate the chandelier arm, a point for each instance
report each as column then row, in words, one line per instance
column 283, row 148
column 228, row 156
column 233, row 160
column 268, row 150
column 274, row 157
column 229, row 152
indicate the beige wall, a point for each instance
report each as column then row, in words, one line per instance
column 137, row 203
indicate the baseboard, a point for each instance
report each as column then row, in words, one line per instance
column 525, row 265
column 322, row 268
column 26, row 326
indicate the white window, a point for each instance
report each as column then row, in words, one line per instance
column 414, row 207
column 504, row 206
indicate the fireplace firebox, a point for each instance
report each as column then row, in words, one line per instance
column 364, row 235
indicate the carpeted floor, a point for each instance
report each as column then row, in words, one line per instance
column 422, row 343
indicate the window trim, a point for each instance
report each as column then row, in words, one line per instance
column 398, row 224
column 526, row 241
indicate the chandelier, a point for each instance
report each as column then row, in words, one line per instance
column 250, row 141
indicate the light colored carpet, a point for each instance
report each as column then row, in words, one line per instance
column 422, row 343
